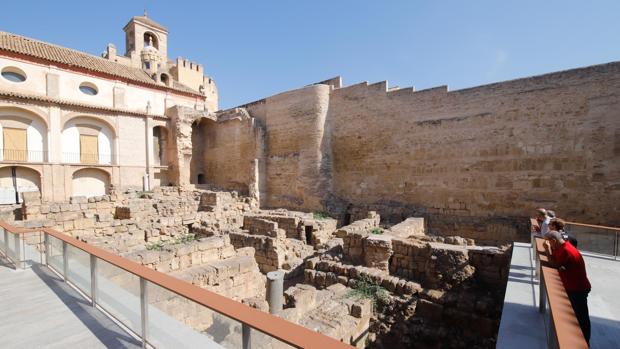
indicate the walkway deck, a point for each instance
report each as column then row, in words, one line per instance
column 40, row 311
column 523, row 327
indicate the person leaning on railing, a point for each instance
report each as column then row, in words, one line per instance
column 572, row 269
column 543, row 221
column 558, row 225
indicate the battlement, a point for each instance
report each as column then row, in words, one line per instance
column 188, row 65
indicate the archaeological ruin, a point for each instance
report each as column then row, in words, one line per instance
column 389, row 213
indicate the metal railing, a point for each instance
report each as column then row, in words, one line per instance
column 88, row 158
column 160, row 310
column 22, row 155
column 563, row 331
column 595, row 238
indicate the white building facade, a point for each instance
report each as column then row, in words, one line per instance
column 75, row 124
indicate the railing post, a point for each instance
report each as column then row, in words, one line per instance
column 246, row 337
column 616, row 245
column 18, row 251
column 144, row 310
column 46, row 242
column 65, row 261
column 542, row 296
column 93, row 280
column 6, row 241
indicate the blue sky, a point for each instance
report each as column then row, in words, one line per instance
column 254, row 49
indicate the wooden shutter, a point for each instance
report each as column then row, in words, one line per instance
column 89, row 149
column 15, row 144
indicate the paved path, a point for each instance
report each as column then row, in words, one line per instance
column 38, row 310
column 523, row 327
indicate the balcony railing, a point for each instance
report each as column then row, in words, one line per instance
column 88, row 158
column 154, row 306
column 22, row 155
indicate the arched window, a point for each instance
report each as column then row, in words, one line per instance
column 150, row 40
column 165, row 79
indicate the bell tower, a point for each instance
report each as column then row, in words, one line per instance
column 144, row 35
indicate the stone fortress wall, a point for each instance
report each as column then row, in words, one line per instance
column 472, row 160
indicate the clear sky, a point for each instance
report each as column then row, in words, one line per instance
column 257, row 48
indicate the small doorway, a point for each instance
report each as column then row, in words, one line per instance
column 201, row 178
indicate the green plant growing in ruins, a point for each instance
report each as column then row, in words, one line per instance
column 320, row 215
column 366, row 287
column 155, row 246
column 376, row 231
column 185, row 239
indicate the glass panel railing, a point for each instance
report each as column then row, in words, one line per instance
column 55, row 259
column 176, row 322
column 78, row 269
column 12, row 246
column 261, row 340
column 32, row 247
column 2, row 241
column 118, row 293
column 592, row 239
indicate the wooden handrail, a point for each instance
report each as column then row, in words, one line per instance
column 278, row 328
column 567, row 330
column 564, row 321
column 594, row 226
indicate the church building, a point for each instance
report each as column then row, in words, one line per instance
column 74, row 124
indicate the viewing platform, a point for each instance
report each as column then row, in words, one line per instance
column 58, row 292
column 523, row 325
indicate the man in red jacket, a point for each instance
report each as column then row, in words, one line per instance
column 572, row 270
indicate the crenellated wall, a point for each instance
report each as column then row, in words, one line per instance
column 495, row 150
column 470, row 161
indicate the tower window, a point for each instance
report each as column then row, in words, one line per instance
column 150, row 40
column 164, row 79
column 147, row 65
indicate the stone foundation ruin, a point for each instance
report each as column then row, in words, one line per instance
column 427, row 288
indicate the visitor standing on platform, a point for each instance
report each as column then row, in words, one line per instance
column 572, row 269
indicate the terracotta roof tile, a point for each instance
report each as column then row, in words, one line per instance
column 5, row 94
column 58, row 54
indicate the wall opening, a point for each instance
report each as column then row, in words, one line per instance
column 202, row 131
column 150, row 40
column 165, row 79
column 308, row 232
column 201, row 179
column 160, row 145
column 15, row 180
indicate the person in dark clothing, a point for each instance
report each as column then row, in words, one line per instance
column 558, row 225
column 572, row 270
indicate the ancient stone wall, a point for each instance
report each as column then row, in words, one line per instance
column 296, row 168
column 225, row 151
column 471, row 161
column 495, row 150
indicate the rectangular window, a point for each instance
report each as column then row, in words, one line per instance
column 15, row 144
column 89, row 149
